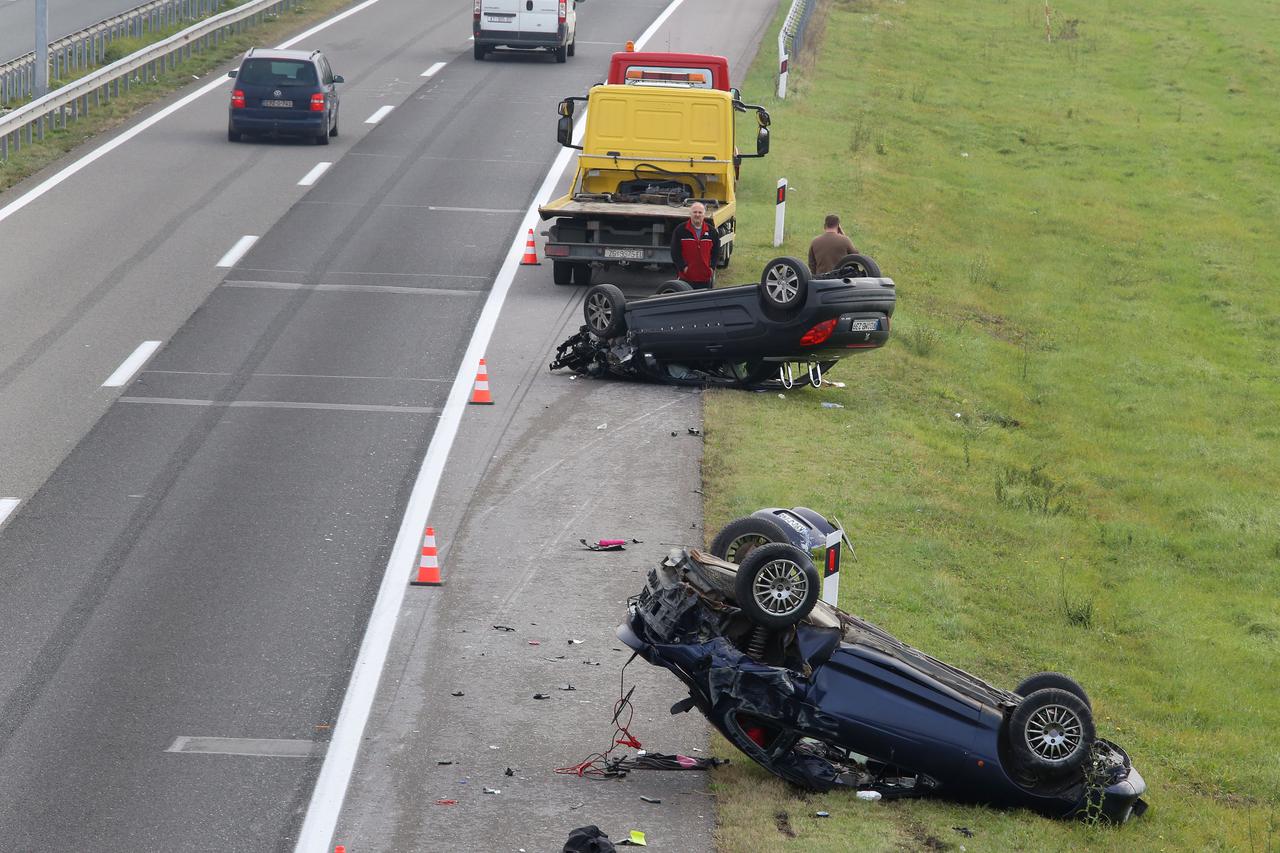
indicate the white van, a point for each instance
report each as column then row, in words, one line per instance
column 525, row 24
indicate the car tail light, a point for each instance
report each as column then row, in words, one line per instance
column 237, row 99
column 563, row 11
column 756, row 733
column 317, row 102
column 476, row 16
column 819, row 333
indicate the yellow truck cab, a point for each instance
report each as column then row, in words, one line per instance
column 647, row 154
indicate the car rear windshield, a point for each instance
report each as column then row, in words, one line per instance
column 277, row 72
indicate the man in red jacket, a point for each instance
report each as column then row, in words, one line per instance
column 695, row 248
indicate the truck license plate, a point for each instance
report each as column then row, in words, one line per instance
column 629, row 254
column 864, row 325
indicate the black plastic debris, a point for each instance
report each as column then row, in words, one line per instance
column 588, row 839
column 444, row 761
column 565, row 687
column 509, row 772
column 964, row 830
column 503, row 628
column 541, row 696
column 654, row 800
column 457, row 693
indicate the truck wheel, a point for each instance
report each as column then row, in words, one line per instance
column 479, row 51
column 604, row 308
column 726, row 248
column 561, row 273
column 783, row 283
column 858, row 266
column 582, row 275
column 562, row 53
column 573, row 44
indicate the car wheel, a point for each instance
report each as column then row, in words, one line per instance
column 323, row 138
column 561, row 273
column 603, row 308
column 562, row 54
column 582, row 275
column 675, row 285
column 750, row 372
column 333, row 131
column 1041, row 680
column 784, row 282
column 479, row 52
column 857, row 266
column 741, row 536
column 233, row 135
column 1051, row 733
column 776, row 585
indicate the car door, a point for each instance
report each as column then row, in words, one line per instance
column 540, row 16
column 501, row 15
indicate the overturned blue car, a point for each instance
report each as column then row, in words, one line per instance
column 826, row 700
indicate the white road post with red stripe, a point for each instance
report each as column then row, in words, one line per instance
column 780, row 212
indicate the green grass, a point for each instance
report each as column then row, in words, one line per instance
column 41, row 154
column 1066, row 456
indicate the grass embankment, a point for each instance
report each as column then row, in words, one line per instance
column 1066, row 457
column 32, row 158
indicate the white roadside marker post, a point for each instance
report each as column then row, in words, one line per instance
column 780, row 212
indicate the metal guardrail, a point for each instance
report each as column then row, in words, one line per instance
column 31, row 121
column 790, row 38
column 88, row 47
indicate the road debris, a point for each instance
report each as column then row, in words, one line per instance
column 575, row 642
column 503, row 628
column 541, row 696
column 635, row 839
column 654, row 800
column 822, row 814
column 446, row 802
column 509, row 772
column 492, row 791
column 828, row 405
column 457, row 693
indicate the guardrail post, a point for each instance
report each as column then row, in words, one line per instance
column 780, row 212
column 42, row 48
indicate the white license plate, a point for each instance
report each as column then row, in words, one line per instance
column 864, row 326
column 629, row 254
column 277, row 103
column 501, row 19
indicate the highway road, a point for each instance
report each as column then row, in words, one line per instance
column 197, row 555
column 17, row 21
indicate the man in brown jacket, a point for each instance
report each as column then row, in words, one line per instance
column 829, row 247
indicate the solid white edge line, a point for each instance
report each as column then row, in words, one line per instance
column 379, row 114
column 236, row 252
column 131, row 364
column 433, row 70
column 52, row 181
column 335, row 773
column 314, row 175
column 7, row 506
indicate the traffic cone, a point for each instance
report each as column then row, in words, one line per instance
column 530, row 258
column 480, row 393
column 428, row 564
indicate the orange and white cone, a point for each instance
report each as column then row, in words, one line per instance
column 480, row 393
column 429, row 562
column 530, row 258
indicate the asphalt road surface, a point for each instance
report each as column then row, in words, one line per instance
column 193, row 559
column 18, row 21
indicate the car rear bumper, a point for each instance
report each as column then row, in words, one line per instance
column 311, row 124
column 516, row 38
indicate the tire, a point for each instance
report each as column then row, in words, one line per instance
column 1041, row 680
column 1051, row 734
column 784, row 283
column 741, row 536
column 233, row 135
column 675, row 285
column 726, row 249
column 561, row 273
column 581, row 274
column 333, row 131
column 562, row 54
column 857, row 266
column 479, row 51
column 604, row 308
column 748, row 373
column 777, row 586
column 323, row 138
column 573, row 44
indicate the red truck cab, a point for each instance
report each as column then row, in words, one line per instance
column 691, row 70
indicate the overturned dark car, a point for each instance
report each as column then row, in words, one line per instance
column 826, row 700
column 791, row 327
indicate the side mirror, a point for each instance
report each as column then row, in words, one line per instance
column 762, row 142
column 231, row 73
column 337, row 78
column 566, row 108
column 564, row 131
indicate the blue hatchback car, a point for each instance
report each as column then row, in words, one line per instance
column 284, row 92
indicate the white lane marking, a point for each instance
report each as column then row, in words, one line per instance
column 52, row 181
column 237, row 251
column 277, row 404
column 335, row 774
column 7, row 506
column 379, row 114
column 352, row 288
column 131, row 364
column 314, row 175
column 255, row 746
column 433, row 70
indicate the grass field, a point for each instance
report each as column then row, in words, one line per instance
column 1066, row 457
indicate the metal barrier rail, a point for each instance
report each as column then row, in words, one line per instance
column 53, row 111
column 87, row 47
column 790, row 39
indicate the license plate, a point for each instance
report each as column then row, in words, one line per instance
column 864, row 325
column 277, row 103
column 501, row 19
column 629, row 254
